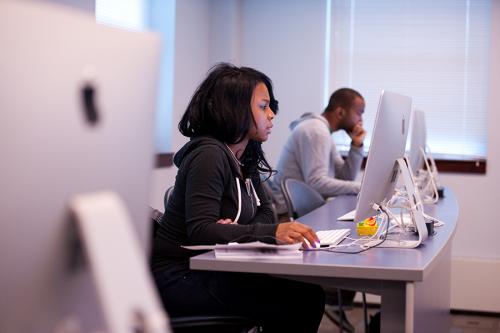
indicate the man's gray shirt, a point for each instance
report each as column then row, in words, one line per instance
column 310, row 155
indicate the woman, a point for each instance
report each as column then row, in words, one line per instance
column 217, row 198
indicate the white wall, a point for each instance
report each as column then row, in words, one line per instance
column 191, row 62
column 286, row 42
column 476, row 249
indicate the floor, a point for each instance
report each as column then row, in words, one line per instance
column 461, row 323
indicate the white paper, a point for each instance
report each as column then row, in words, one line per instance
column 198, row 247
column 259, row 253
column 253, row 250
column 258, row 245
column 252, row 245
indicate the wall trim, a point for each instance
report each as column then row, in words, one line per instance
column 474, row 284
column 164, row 160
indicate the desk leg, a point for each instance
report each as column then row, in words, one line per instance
column 418, row 306
column 432, row 297
column 394, row 317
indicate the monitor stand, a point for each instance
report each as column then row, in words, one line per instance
column 427, row 179
column 117, row 265
column 414, row 206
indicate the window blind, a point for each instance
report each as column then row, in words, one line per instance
column 436, row 51
column 130, row 14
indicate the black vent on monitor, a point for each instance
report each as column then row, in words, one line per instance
column 90, row 110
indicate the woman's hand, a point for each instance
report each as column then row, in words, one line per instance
column 295, row 232
column 226, row 221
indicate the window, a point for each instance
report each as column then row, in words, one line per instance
column 158, row 16
column 129, row 14
column 436, row 51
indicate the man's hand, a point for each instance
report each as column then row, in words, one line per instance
column 296, row 232
column 357, row 135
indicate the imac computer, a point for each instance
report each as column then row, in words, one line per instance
column 385, row 164
column 422, row 164
column 418, row 139
column 387, row 145
column 77, row 101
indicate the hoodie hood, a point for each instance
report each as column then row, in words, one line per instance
column 307, row 116
column 204, row 141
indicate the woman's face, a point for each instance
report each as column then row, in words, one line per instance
column 262, row 114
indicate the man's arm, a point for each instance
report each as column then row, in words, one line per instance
column 348, row 168
column 314, row 148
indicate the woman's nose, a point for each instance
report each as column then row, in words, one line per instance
column 270, row 114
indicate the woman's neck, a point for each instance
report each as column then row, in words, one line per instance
column 238, row 148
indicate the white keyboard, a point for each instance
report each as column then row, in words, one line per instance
column 349, row 216
column 332, row 236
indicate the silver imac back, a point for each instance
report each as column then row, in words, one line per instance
column 77, row 101
column 418, row 140
column 387, row 145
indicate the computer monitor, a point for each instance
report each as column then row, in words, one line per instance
column 387, row 145
column 422, row 164
column 418, row 140
column 77, row 102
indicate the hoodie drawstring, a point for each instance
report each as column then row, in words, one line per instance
column 239, row 202
column 257, row 200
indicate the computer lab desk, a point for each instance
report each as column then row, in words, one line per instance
column 414, row 284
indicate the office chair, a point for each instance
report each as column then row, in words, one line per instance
column 201, row 324
column 166, row 197
column 301, row 199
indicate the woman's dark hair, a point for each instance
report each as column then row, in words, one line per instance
column 343, row 97
column 221, row 108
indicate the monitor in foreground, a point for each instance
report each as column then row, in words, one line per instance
column 77, row 103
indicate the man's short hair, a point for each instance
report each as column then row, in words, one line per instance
column 342, row 97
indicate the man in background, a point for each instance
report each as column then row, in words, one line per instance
column 310, row 154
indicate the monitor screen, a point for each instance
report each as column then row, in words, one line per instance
column 418, row 139
column 387, row 145
column 77, row 101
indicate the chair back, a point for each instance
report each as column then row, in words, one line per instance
column 155, row 216
column 166, row 197
column 300, row 198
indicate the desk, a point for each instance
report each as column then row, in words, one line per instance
column 414, row 284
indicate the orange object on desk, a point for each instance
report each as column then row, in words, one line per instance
column 367, row 227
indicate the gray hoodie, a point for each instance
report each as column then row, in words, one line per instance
column 310, row 155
